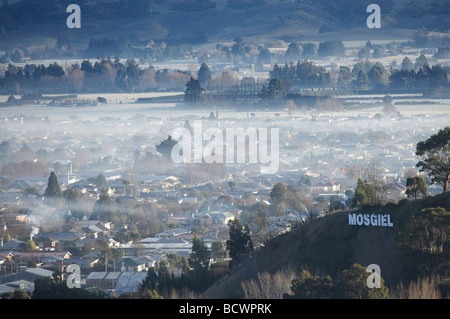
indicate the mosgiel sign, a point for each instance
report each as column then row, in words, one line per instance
column 383, row 220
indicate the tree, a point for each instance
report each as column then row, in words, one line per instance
column 278, row 193
column 204, row 75
column 305, row 286
column 378, row 76
column 165, row 147
column 11, row 99
column 364, row 54
column 199, row 257
column 331, row 48
column 435, row 152
column 309, row 50
column 262, row 222
column 199, row 262
column 345, row 75
column 294, row 52
column 407, row 65
column 193, row 91
column 362, row 80
column 53, row 189
column 100, row 180
column 56, row 288
column 240, row 244
column 360, row 198
column 421, row 61
column 264, row 55
column 424, row 241
column 218, row 249
column 353, row 285
column 416, row 186
column 28, row 246
column 276, row 89
column 377, row 53
column 17, row 294
column 291, row 107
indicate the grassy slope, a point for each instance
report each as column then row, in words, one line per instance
column 328, row 245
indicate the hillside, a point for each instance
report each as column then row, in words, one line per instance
column 328, row 245
column 29, row 22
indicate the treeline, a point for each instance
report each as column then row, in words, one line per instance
column 104, row 75
column 364, row 75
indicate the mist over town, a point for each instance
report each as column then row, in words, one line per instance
column 173, row 160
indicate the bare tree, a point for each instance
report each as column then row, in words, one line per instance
column 422, row 288
column 269, row 286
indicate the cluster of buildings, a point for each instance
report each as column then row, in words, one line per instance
column 321, row 157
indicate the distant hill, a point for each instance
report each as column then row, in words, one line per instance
column 328, row 245
column 29, row 21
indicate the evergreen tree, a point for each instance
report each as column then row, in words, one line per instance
column 305, row 286
column 204, row 75
column 294, row 52
column 360, row 198
column 407, row 65
column 435, row 152
column 353, row 285
column 193, row 91
column 421, row 61
column 424, row 241
column 53, row 189
column 416, row 186
column 276, row 89
column 331, row 48
column 199, row 262
column 309, row 50
column 364, row 54
column 165, row 147
column 264, row 55
column 240, row 244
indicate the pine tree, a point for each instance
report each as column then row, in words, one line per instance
column 204, row 75
column 360, row 197
column 416, row 186
column 193, row 92
column 53, row 189
column 407, row 65
column 240, row 244
column 435, row 153
column 294, row 52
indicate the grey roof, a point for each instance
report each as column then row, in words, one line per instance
column 113, row 275
column 12, row 244
column 129, row 281
column 18, row 284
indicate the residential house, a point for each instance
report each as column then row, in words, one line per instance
column 25, row 285
column 129, row 282
column 149, row 260
column 40, row 256
column 326, row 186
column 132, row 264
column 58, row 238
column 29, row 274
column 170, row 233
column 44, row 243
column 103, row 280
column 12, row 245
column 84, row 263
